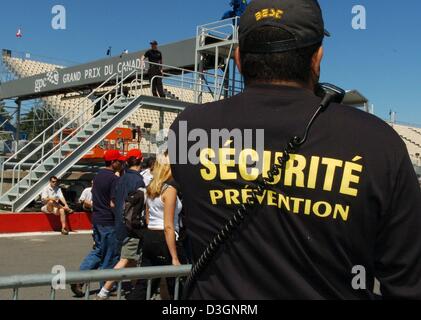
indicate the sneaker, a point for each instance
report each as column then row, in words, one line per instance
column 64, row 232
column 77, row 289
column 98, row 297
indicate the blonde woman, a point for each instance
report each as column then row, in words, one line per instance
column 160, row 245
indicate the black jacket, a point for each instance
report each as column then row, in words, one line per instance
column 348, row 199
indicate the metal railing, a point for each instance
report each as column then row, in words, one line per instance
column 15, row 283
column 215, row 89
column 224, row 29
column 46, row 136
column 225, row 37
column 55, row 137
column 199, row 82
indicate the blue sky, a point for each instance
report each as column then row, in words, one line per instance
column 383, row 61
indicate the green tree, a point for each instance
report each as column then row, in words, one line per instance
column 3, row 111
column 4, row 115
column 33, row 123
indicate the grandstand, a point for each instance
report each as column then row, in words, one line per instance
column 411, row 135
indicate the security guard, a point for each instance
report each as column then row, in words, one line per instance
column 344, row 210
column 155, row 72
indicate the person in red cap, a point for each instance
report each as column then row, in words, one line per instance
column 130, row 182
column 105, row 254
column 111, row 156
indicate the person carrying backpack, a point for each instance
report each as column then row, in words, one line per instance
column 128, row 185
column 161, row 244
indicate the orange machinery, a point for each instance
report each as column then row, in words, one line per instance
column 122, row 139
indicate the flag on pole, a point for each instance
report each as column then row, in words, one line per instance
column 19, row 34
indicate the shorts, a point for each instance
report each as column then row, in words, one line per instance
column 131, row 250
column 44, row 209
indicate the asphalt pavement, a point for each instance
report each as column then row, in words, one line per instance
column 38, row 254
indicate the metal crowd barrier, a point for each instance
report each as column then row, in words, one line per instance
column 46, row 280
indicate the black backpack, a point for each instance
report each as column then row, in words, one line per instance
column 134, row 214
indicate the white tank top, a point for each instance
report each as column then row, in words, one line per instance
column 156, row 214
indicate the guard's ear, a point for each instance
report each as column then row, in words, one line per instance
column 237, row 57
column 317, row 61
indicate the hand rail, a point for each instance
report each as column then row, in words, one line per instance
column 219, row 80
column 17, row 282
column 193, row 89
column 220, row 21
column 65, row 114
column 119, row 84
column 42, row 135
column 182, row 70
column 66, row 139
column 81, row 126
column 206, row 29
column 44, row 142
column 180, row 87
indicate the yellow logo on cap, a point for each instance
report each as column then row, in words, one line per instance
column 269, row 13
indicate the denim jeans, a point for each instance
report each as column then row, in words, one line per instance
column 106, row 252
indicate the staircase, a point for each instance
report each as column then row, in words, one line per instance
column 62, row 148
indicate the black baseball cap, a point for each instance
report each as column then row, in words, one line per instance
column 154, row 42
column 303, row 19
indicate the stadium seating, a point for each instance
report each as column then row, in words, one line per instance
column 412, row 138
column 27, row 68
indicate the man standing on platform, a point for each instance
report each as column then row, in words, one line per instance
column 155, row 73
